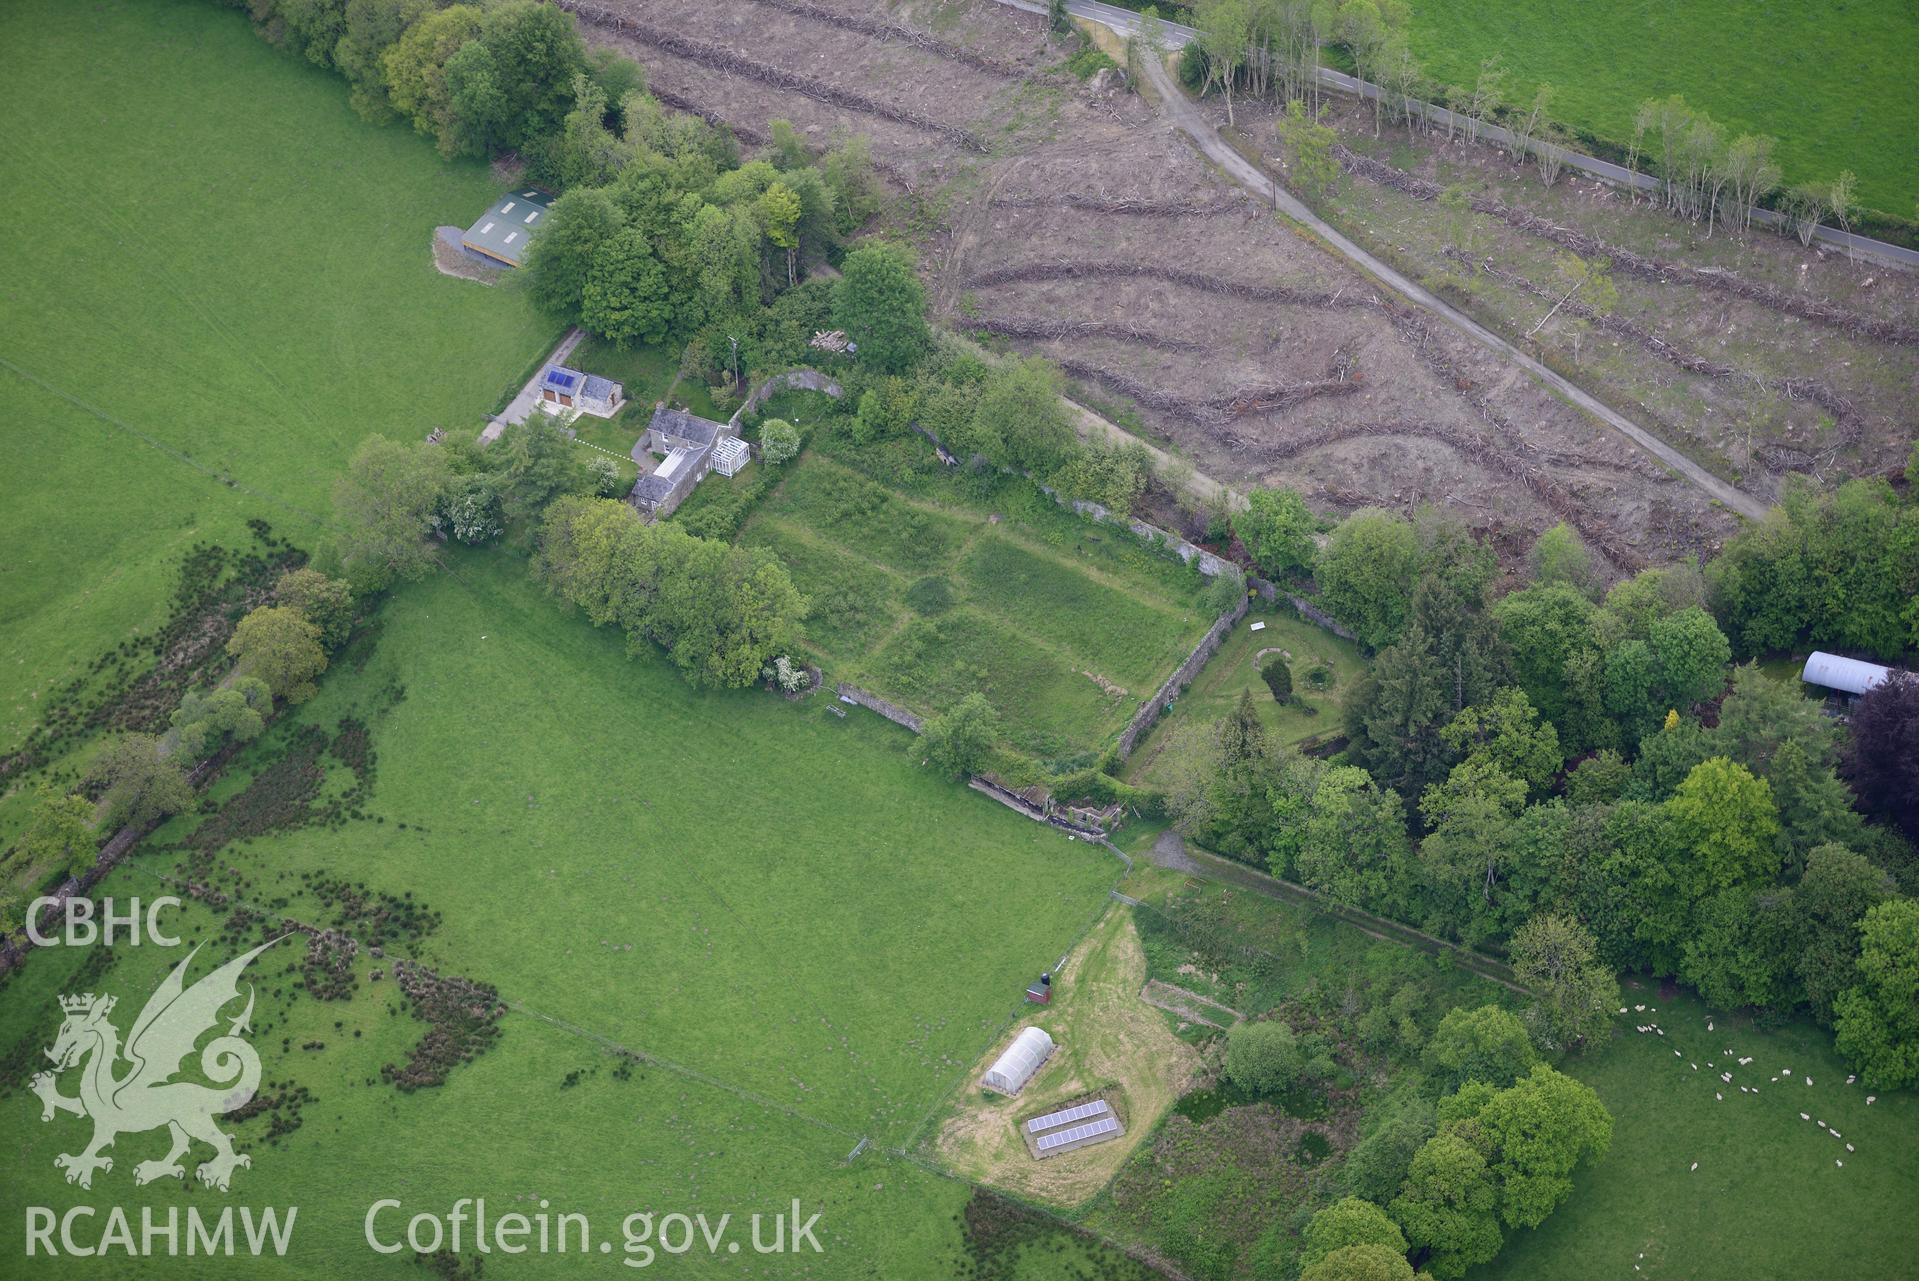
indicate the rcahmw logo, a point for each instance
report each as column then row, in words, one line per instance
column 131, row 1088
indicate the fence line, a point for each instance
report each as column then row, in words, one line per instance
column 1125, row 22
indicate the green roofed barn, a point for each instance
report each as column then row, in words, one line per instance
column 503, row 231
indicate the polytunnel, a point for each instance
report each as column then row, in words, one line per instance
column 1013, row 1069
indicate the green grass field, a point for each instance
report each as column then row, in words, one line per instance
column 219, row 280
column 823, row 936
column 1767, row 1199
column 1325, row 670
column 1833, row 83
column 925, row 597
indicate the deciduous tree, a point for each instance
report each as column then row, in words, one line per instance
column 1366, row 574
column 626, row 297
column 325, row 602
column 1555, row 956
column 1882, row 761
column 1277, row 530
column 1877, row 1024
column 1487, row 1044
column 1263, row 1057
column 141, row 784
column 881, row 305
column 958, row 741
column 279, row 646
column 59, row 833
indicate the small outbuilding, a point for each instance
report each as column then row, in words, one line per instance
column 563, row 388
column 503, row 232
column 1848, row 676
column 1012, row 1070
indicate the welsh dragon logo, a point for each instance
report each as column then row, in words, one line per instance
column 144, row 1096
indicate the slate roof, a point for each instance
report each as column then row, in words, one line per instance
column 598, row 388
column 685, row 425
column 653, row 488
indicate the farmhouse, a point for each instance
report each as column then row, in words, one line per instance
column 562, row 388
column 692, row 446
column 503, row 232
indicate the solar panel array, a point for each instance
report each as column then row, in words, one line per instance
column 1092, row 1129
column 1098, row 1107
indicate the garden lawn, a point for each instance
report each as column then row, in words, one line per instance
column 1325, row 670
column 1833, row 83
column 929, row 594
column 219, row 280
column 806, row 937
column 1767, row 1199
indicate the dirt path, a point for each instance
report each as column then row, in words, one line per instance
column 1181, row 112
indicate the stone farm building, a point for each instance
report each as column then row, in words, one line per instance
column 562, row 389
column 502, row 232
column 692, row 446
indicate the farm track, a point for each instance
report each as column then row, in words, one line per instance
column 1243, row 171
column 1139, row 211
column 1647, row 268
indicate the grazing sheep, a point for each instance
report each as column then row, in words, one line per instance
column 1851, row 1079
column 1848, row 1147
column 1805, row 1116
column 1717, row 1095
column 1695, row 1166
column 1870, row 1098
column 1808, row 1080
column 1840, row 1164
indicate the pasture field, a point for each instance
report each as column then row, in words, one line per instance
column 925, row 592
column 219, row 281
column 1832, row 83
column 1768, row 1198
column 806, row 940
column 1325, row 667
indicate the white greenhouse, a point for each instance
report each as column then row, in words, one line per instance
column 1013, row 1069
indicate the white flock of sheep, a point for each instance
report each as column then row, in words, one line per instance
column 1784, row 1074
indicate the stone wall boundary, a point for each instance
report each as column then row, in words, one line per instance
column 1150, row 711
column 802, row 379
column 874, row 703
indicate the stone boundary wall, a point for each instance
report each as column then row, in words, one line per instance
column 1013, row 800
column 874, row 703
column 1307, row 610
column 803, row 379
column 1150, row 710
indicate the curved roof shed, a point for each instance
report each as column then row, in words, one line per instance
column 1013, row 1069
column 1847, row 675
